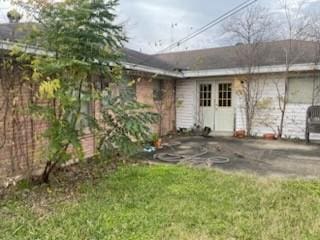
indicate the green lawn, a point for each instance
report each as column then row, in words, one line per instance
column 167, row 202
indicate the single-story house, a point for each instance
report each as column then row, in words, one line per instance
column 197, row 88
column 207, row 86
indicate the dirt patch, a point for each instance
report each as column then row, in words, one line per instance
column 65, row 186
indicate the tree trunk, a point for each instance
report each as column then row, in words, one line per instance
column 46, row 172
column 50, row 166
column 284, row 105
column 248, row 106
column 280, row 130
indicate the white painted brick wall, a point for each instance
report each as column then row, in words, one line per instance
column 267, row 120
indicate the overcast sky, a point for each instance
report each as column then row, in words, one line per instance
column 151, row 25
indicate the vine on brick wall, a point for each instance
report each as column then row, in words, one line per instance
column 17, row 142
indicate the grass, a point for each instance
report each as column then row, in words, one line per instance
column 168, row 202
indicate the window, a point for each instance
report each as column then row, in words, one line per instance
column 157, row 89
column 225, row 95
column 302, row 90
column 205, row 95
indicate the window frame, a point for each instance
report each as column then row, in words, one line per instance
column 205, row 94
column 306, row 96
column 225, row 97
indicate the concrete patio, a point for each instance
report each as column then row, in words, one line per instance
column 257, row 156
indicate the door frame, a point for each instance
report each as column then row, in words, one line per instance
column 232, row 107
column 200, row 117
column 214, row 102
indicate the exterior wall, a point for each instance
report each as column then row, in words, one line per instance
column 186, row 99
column 18, row 134
column 22, row 146
column 189, row 113
column 165, row 107
column 268, row 115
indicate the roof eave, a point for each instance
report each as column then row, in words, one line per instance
column 156, row 71
column 7, row 45
column 257, row 70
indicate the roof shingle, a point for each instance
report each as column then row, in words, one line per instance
column 274, row 53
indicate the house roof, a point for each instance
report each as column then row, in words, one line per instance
column 15, row 32
column 273, row 53
column 138, row 58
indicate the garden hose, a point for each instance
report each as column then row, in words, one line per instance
column 194, row 158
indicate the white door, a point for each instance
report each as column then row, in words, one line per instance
column 224, row 113
column 206, row 104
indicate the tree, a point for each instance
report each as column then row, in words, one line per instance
column 127, row 124
column 314, row 36
column 250, row 31
column 82, row 44
column 294, row 27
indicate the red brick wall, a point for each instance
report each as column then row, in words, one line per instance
column 22, row 146
column 18, row 132
column 165, row 107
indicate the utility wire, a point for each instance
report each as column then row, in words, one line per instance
column 204, row 28
column 211, row 24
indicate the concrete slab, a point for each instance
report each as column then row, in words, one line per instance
column 257, row 156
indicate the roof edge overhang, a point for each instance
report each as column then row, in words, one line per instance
column 8, row 45
column 152, row 70
column 257, row 70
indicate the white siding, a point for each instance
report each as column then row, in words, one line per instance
column 186, row 103
column 267, row 119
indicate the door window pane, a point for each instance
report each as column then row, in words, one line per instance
column 225, row 95
column 205, row 95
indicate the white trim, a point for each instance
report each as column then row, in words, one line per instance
column 8, row 45
column 259, row 70
column 157, row 71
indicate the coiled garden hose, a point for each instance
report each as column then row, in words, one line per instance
column 194, row 158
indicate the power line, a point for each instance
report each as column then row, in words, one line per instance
column 204, row 28
column 211, row 24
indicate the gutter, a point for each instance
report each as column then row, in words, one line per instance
column 8, row 45
column 243, row 71
column 157, row 71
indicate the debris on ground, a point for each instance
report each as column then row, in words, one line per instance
column 280, row 158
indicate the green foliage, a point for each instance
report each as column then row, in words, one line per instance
column 80, row 39
column 63, row 84
column 154, row 137
column 80, row 29
column 126, row 125
column 82, row 43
